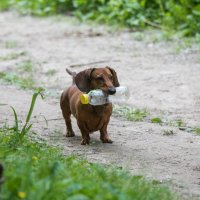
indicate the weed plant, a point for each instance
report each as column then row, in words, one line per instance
column 132, row 114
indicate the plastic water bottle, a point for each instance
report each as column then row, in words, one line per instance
column 122, row 94
column 98, row 97
column 95, row 97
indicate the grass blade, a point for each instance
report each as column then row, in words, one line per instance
column 34, row 97
column 16, row 127
column 16, row 120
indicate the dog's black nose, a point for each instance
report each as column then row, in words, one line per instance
column 111, row 90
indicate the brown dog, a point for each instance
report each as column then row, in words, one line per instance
column 89, row 118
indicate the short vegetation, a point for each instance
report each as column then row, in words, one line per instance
column 132, row 114
column 181, row 16
column 37, row 171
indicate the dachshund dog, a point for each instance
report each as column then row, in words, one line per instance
column 89, row 118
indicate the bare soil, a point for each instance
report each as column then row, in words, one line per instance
column 164, row 82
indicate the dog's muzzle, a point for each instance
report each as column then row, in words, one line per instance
column 111, row 90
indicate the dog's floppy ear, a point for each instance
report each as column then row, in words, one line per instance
column 115, row 79
column 83, row 80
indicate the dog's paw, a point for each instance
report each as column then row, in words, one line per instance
column 85, row 141
column 70, row 134
column 106, row 140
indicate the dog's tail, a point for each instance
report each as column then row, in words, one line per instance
column 73, row 74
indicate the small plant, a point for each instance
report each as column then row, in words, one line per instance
column 129, row 113
column 51, row 72
column 138, row 36
column 10, row 44
column 13, row 78
column 12, row 56
column 198, row 59
column 23, row 75
column 168, row 132
column 179, row 122
column 20, row 133
column 26, row 66
column 197, row 131
column 156, row 120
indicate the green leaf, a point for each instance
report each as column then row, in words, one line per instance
column 34, row 97
column 156, row 120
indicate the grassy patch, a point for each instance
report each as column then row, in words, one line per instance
column 129, row 113
column 4, row 5
column 12, row 56
column 22, row 76
column 156, row 120
column 198, row 59
column 22, row 82
column 185, row 43
column 37, row 171
column 176, row 123
column 51, row 72
column 26, row 66
column 153, row 36
column 168, row 132
column 179, row 122
column 10, row 44
column 197, row 130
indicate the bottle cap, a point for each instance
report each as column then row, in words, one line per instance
column 84, row 99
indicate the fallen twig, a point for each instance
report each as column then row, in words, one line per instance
column 93, row 63
column 152, row 24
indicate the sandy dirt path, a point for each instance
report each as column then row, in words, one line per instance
column 164, row 82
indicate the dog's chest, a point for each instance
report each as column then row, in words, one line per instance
column 96, row 117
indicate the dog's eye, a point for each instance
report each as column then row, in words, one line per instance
column 100, row 79
column 111, row 77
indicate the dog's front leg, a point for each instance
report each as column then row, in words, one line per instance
column 104, row 137
column 84, row 133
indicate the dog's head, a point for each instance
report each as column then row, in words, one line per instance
column 97, row 78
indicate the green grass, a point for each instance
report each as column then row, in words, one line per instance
column 22, row 82
column 4, row 5
column 51, row 72
column 21, row 132
column 37, row 171
column 26, row 66
column 197, row 130
column 132, row 114
column 198, row 60
column 179, row 122
column 22, row 76
column 10, row 44
column 12, row 56
column 156, row 120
